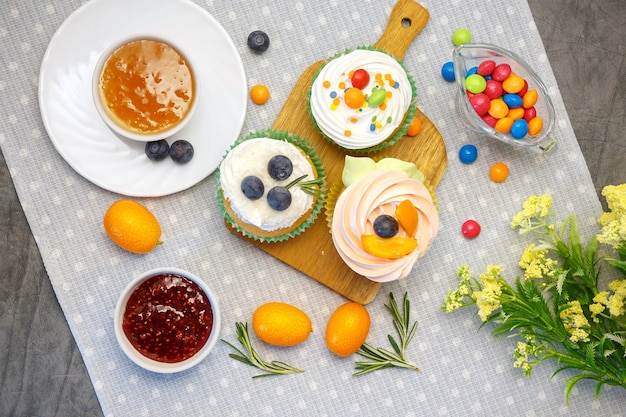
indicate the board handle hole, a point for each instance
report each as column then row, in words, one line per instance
column 406, row 22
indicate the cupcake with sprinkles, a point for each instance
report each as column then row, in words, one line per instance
column 271, row 185
column 363, row 100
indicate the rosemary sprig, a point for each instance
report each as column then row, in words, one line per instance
column 382, row 358
column 253, row 358
column 311, row 187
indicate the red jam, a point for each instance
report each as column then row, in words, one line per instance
column 168, row 318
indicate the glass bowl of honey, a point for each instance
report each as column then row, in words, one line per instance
column 500, row 96
column 144, row 88
column 167, row 320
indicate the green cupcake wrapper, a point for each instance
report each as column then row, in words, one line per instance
column 308, row 149
column 393, row 139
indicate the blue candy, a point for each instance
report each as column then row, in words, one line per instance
column 512, row 100
column 519, row 128
column 447, row 71
column 473, row 70
column 468, row 154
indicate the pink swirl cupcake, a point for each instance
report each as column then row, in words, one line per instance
column 383, row 222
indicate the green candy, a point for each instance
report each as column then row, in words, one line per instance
column 460, row 36
column 377, row 97
column 475, row 83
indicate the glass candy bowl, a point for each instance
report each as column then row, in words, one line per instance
column 466, row 58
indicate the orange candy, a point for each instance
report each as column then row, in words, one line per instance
column 504, row 125
column 415, row 128
column 354, row 98
column 516, row 113
column 260, row 94
column 530, row 99
column 499, row 172
column 498, row 109
column 535, row 125
column 513, row 84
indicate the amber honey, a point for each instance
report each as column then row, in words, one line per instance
column 146, row 86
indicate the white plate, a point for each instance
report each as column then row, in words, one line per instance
column 80, row 135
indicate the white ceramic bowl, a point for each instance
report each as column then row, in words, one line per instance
column 155, row 365
column 117, row 128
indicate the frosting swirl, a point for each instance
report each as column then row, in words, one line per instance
column 251, row 157
column 374, row 120
column 380, row 192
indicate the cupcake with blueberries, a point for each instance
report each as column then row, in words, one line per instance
column 382, row 217
column 271, row 185
column 363, row 100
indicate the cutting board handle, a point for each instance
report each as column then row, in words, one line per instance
column 407, row 19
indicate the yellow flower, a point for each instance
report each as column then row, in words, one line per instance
column 615, row 198
column 536, row 265
column 521, row 357
column 613, row 223
column 535, row 206
column 614, row 302
column 575, row 322
column 454, row 298
column 595, row 309
column 488, row 298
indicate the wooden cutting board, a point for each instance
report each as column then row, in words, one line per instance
column 313, row 252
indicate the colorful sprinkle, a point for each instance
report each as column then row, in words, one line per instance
column 333, row 94
column 326, row 84
column 347, row 133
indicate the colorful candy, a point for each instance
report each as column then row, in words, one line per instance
column 447, row 71
column 499, row 172
column 468, row 153
column 475, row 83
column 470, row 229
column 360, row 79
column 415, row 127
column 511, row 106
column 260, row 94
column 460, row 36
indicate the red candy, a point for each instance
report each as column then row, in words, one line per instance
column 470, row 229
column 501, row 72
column 481, row 103
column 360, row 79
column 490, row 120
column 530, row 114
column 493, row 89
column 486, row 67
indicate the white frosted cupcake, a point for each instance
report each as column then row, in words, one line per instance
column 363, row 100
column 271, row 185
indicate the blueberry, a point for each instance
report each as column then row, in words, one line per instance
column 252, row 187
column 258, row 41
column 385, row 226
column 279, row 198
column 181, row 151
column 280, row 167
column 157, row 150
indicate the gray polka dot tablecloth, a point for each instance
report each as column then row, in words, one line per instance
column 464, row 371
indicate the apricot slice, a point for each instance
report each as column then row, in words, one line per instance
column 406, row 214
column 388, row 248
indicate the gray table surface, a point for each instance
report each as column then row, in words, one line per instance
column 41, row 369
